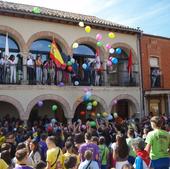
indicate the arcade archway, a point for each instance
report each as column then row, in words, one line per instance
column 43, row 110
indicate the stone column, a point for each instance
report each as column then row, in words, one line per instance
column 25, row 56
column 146, row 110
column 105, row 73
column 69, row 120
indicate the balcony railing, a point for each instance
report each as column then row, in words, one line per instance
column 15, row 74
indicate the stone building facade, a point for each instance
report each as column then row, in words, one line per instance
column 25, row 27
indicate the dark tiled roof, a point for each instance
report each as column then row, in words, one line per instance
column 62, row 15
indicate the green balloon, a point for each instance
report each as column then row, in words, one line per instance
column 93, row 124
column 99, row 43
column 54, row 107
column 69, row 63
column 36, row 10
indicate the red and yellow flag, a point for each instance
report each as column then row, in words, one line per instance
column 55, row 54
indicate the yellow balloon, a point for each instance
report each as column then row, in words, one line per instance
column 105, row 114
column 75, row 45
column 111, row 35
column 88, row 29
column 81, row 24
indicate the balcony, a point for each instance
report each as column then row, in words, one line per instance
column 24, row 75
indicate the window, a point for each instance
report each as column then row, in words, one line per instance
column 155, row 72
column 13, row 46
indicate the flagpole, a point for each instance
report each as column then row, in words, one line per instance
column 6, row 46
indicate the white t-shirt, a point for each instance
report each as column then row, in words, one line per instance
column 84, row 164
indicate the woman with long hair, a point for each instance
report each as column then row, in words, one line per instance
column 35, row 154
column 120, row 151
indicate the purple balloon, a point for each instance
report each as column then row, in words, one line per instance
column 40, row 103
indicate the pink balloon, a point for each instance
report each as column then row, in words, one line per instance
column 86, row 89
column 109, row 63
column 98, row 37
column 110, row 58
column 114, row 102
column 108, row 46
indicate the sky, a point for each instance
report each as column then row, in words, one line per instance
column 152, row 16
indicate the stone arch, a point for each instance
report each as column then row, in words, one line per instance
column 65, row 105
column 92, row 42
column 126, row 46
column 127, row 97
column 15, row 35
column 49, row 35
column 15, row 103
column 94, row 97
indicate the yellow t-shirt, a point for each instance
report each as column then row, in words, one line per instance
column 67, row 155
column 3, row 164
column 52, row 156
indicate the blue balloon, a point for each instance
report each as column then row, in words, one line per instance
column 88, row 94
column 84, row 66
column 89, row 107
column 85, row 98
column 118, row 51
column 114, row 60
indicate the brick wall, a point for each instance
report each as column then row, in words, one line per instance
column 160, row 48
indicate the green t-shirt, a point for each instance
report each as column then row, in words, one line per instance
column 129, row 143
column 104, row 151
column 160, row 142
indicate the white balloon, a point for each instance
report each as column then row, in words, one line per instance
column 111, row 50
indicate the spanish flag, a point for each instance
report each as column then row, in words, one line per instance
column 55, row 55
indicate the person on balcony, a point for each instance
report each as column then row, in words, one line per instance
column 51, row 70
column 2, row 62
column 13, row 63
column 30, row 68
column 38, row 63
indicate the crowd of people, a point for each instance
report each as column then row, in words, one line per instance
column 46, row 72
column 48, row 144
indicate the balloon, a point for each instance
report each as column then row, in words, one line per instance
column 84, row 66
column 88, row 94
column 105, row 114
column 82, row 113
column 93, row 114
column 93, row 124
column 110, row 58
column 98, row 114
column 54, row 107
column 108, row 46
column 111, row 50
column 75, row 45
column 109, row 63
column 61, row 84
column 111, row 35
column 89, row 104
column 99, row 43
column 76, row 83
column 94, row 103
column 69, row 63
column 89, row 107
column 40, row 103
column 49, row 46
column 69, row 68
column 88, row 29
column 86, row 89
column 36, row 10
column 72, row 60
column 114, row 60
column 115, row 115
column 110, row 117
column 85, row 98
column 98, row 37
column 53, row 121
column 114, row 102
column 118, row 51
column 81, row 24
